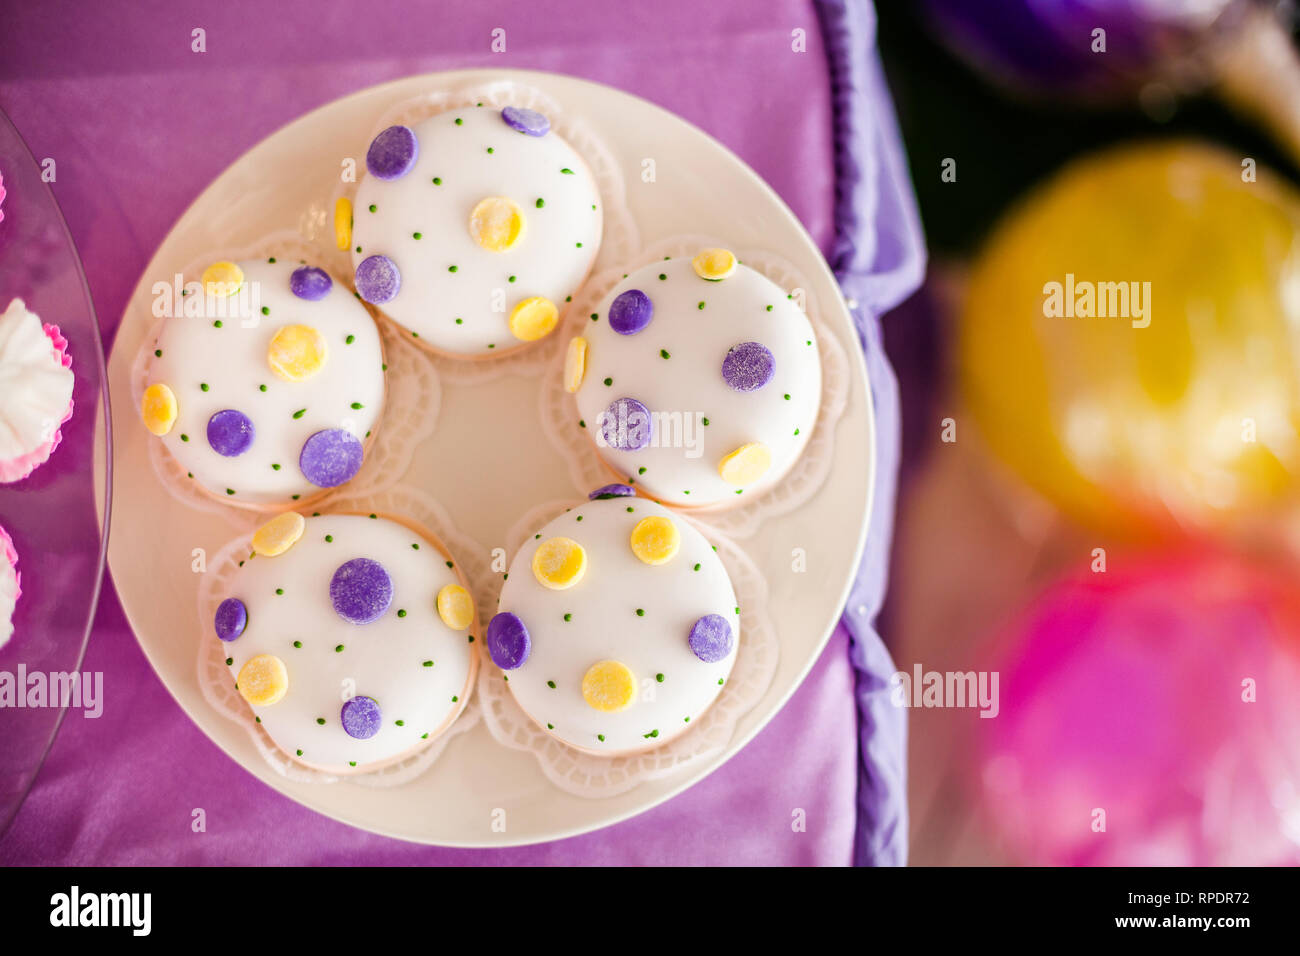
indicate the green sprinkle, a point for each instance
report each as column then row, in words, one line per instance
column 696, row 568
column 460, row 321
column 451, row 268
column 653, row 733
column 663, row 353
column 299, row 753
column 356, row 406
column 216, row 324
column 701, row 305
column 157, row 353
column 229, row 661
column 279, row 590
column 769, row 308
column 640, row 612
column 569, row 172
column 787, row 396
column 400, row 723
column 203, row 386
column 659, row 678
column 272, row 259
column 551, row 684
column 373, row 207
column 299, row 413
column 601, row 738
column 704, row 421
column 459, row 121
column 550, row 726
column 567, row 617
column 417, row 235
column 275, row 467
column 338, row 649
column 641, row 470
column 297, row 643
column 329, row 539
column 414, row 546
column 490, row 150
column 349, row 340
column 511, row 278
column 261, row 388
column 609, row 381
column 437, row 180
column 184, row 437
column 321, row 721
column 266, row 310
column 662, row 277
column 401, row 612
column 540, row 202
column 428, row 664
column 595, row 316
column 230, row 491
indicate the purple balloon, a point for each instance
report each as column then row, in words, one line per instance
column 361, row 591
column 231, row 619
column 230, row 432
column 378, row 279
column 361, row 717
column 508, row 641
column 331, row 457
column 630, row 312
column 711, row 638
column 610, row 491
column 310, row 283
column 625, row 425
column 748, row 366
column 526, row 121
column 392, row 153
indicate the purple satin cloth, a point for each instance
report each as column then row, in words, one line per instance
column 139, row 124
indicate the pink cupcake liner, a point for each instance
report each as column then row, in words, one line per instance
column 16, row 469
column 10, row 554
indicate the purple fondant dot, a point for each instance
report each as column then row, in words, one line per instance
column 378, row 280
column 392, row 153
column 361, row 591
column 508, row 641
column 231, row 619
column 710, row 638
column 361, row 717
column 630, row 312
column 310, row 283
column 625, row 425
column 611, row 491
column 230, row 432
column 526, row 121
column 748, row 366
column 331, row 457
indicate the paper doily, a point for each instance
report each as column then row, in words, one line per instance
column 619, row 242
column 219, row 689
column 413, row 396
column 585, row 775
column 560, row 416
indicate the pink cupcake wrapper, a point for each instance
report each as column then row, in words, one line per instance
column 16, row 469
column 10, row 554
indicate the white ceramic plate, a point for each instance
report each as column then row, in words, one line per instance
column 701, row 188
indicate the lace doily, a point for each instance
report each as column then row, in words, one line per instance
column 560, row 416
column 219, row 689
column 589, row 776
column 413, row 397
column 620, row 241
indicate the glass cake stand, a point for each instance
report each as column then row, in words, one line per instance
column 56, row 516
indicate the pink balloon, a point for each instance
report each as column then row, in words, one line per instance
column 1126, row 702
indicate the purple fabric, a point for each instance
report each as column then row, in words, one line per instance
column 139, row 125
column 879, row 256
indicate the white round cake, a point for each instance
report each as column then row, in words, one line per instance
column 474, row 228
column 698, row 379
column 267, row 385
column 351, row 637
column 617, row 626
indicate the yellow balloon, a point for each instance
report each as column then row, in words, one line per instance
column 1131, row 335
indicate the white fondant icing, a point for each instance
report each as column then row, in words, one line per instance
column 383, row 659
column 35, row 388
column 547, row 261
column 686, row 388
column 605, row 626
column 232, row 362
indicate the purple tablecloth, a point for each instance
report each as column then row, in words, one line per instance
column 138, row 124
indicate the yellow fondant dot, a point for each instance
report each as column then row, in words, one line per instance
column 575, row 363
column 497, row 223
column 559, row 563
column 533, row 318
column 746, row 464
column 455, row 607
column 279, row 534
column 714, row 264
column 655, row 539
column 223, row 279
column 263, row 680
column 609, row 686
column 343, row 223
column 158, row 409
column 296, row 352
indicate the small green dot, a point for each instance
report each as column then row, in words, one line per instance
column 299, row 753
column 511, row 278
column 609, row 381
column 550, row 726
column 414, row 546
column 662, row 276
column 696, row 568
column 275, row 467
column 349, row 340
column 299, row 413
column 459, row 121
column 640, row 612
column 700, row 306
column 567, row 617
column 229, row 661
column 787, row 396
column 400, row 723
column 540, row 202
column 338, row 649
column 437, row 180
column 551, row 684
column 216, row 324
column 357, row 406
column 261, row 388
column 595, row 316
column 271, row 260
column 490, row 150
column 704, row 421
column 297, row 643
column 401, row 612
column 600, row 737
column 659, row 678
column 184, row 437
column 373, row 207
column 203, row 386
column 641, row 470
column 417, row 235
column 321, row 721
column 266, row 310
column 796, row 431
column 230, row 491
column 451, row 268
column 769, row 308
column 653, row 733
column 460, row 321
column 329, row 538
column 358, row 250
column 279, row 590
column 577, row 245
column 157, row 353
column 428, row 663
column 567, row 171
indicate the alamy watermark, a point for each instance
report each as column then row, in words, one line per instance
column 922, row 688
